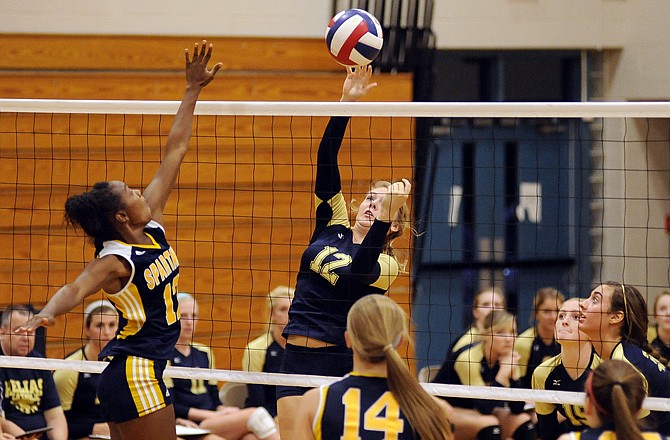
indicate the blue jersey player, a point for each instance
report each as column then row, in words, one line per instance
column 139, row 272
column 615, row 318
column 380, row 399
column 341, row 264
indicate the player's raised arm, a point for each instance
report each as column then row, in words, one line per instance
column 197, row 77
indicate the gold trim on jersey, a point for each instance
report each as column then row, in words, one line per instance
column 320, row 409
column 154, row 245
column 339, row 206
column 143, row 385
column 129, row 303
column 468, row 364
column 388, row 273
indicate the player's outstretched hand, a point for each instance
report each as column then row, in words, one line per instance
column 35, row 322
column 197, row 74
column 357, row 84
column 395, row 197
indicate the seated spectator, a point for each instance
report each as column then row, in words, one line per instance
column 659, row 335
column 3, row 435
column 30, row 399
column 614, row 394
column 490, row 298
column 565, row 372
column 537, row 344
column 78, row 391
column 264, row 354
column 490, row 362
column 198, row 401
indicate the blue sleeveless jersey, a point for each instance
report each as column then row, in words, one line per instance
column 551, row 375
column 334, row 271
column 194, row 393
column 360, row 407
column 656, row 375
column 148, row 308
column 607, row 432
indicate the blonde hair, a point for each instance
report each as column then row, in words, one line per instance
column 498, row 319
column 279, row 292
column 376, row 325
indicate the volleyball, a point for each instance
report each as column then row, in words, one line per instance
column 354, row 37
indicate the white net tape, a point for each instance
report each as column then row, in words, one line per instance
column 413, row 109
column 471, row 392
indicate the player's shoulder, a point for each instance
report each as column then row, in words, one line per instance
column 77, row 355
column 524, row 340
column 543, row 370
column 261, row 343
column 206, row 349
column 469, row 354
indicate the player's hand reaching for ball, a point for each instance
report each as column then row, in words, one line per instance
column 395, row 197
column 357, row 84
column 197, row 74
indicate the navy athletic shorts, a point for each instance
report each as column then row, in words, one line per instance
column 327, row 361
column 131, row 387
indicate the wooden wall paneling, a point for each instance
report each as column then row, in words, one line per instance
column 241, row 214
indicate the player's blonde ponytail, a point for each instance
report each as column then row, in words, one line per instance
column 376, row 325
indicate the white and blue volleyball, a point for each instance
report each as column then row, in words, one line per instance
column 354, row 37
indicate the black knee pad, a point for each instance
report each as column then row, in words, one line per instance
column 490, row 433
column 526, row 431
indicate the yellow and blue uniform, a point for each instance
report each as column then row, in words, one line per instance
column 334, row 271
column 27, row 395
column 361, row 407
column 607, row 432
column 471, row 336
column 79, row 398
column 532, row 352
column 148, row 328
column 656, row 375
column 468, row 366
column 194, row 393
column 552, row 375
column 266, row 395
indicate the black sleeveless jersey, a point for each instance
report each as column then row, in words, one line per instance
column 148, row 308
column 552, row 375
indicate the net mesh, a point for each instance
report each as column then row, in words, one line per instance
column 518, row 195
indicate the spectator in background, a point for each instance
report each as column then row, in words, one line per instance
column 659, row 334
column 490, row 362
column 30, row 399
column 198, row 401
column 3, row 434
column 537, row 344
column 487, row 299
column 264, row 354
column 79, row 391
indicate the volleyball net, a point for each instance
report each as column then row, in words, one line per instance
column 517, row 195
